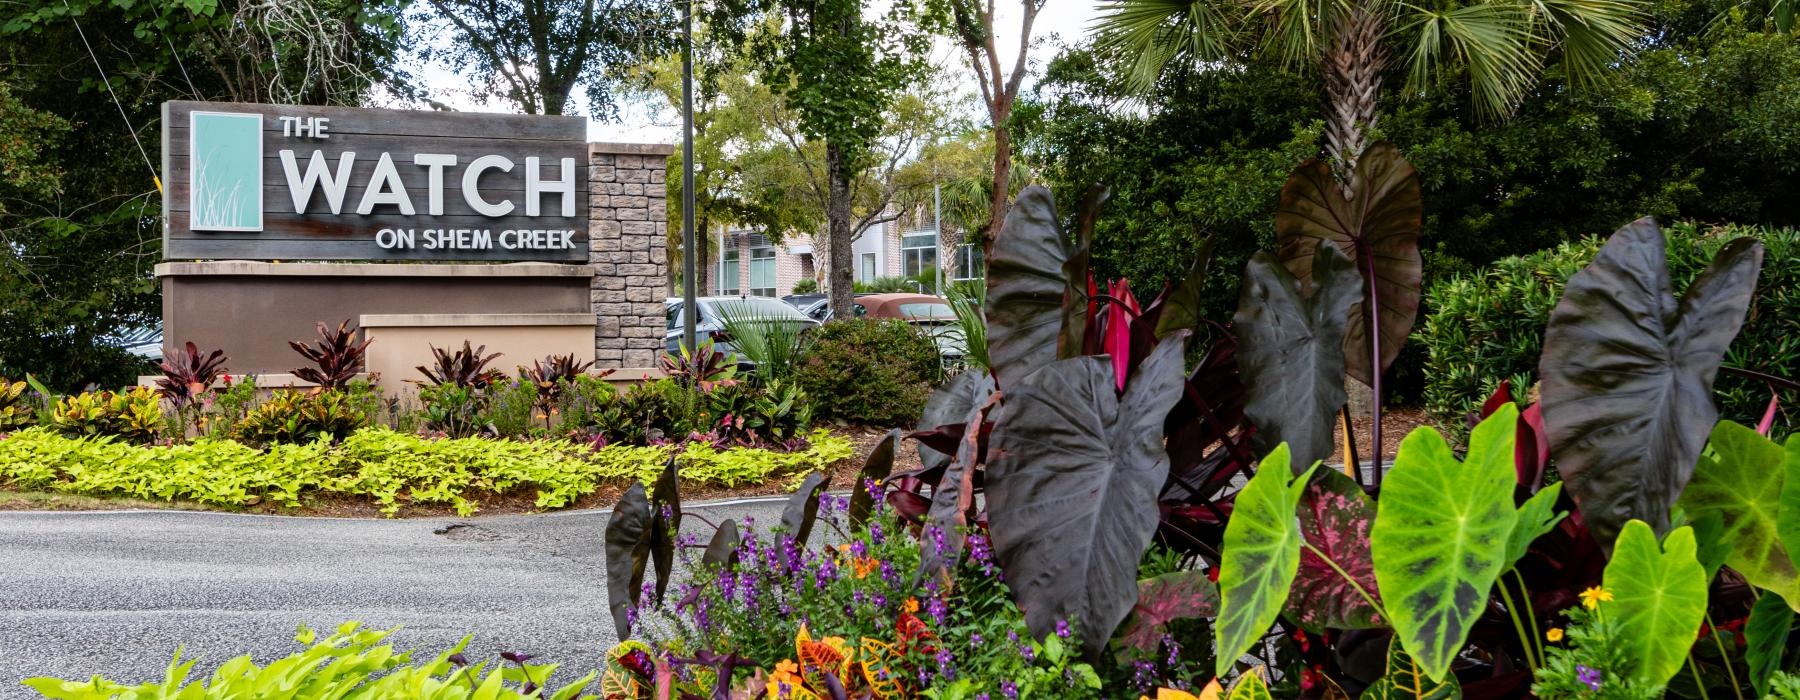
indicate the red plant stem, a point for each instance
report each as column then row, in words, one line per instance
column 1371, row 319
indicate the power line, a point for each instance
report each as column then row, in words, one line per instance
column 115, row 97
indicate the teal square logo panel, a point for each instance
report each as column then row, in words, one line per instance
column 226, row 169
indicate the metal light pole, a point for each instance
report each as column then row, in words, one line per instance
column 689, row 307
column 937, row 230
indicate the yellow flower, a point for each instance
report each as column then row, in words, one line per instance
column 786, row 667
column 1555, row 634
column 1593, row 597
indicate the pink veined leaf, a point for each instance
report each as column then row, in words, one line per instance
column 1768, row 420
column 1335, row 517
column 1165, row 599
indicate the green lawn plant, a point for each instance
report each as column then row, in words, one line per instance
column 394, row 470
column 350, row 663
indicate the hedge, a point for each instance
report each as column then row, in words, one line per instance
column 1489, row 326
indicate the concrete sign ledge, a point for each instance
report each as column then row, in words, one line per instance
column 231, row 268
column 466, row 320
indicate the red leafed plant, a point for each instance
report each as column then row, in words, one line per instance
column 336, row 358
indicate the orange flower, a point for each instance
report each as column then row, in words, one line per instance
column 864, row 566
column 911, row 605
column 787, row 667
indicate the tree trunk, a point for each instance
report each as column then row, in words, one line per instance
column 841, row 279
column 998, row 200
column 1352, row 70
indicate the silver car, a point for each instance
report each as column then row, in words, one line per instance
column 710, row 324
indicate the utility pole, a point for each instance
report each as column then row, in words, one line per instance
column 690, row 308
column 937, row 230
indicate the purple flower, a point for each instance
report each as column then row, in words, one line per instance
column 975, row 639
column 875, row 534
column 937, row 609
column 858, row 549
column 1010, row 690
column 1062, row 628
column 1589, row 677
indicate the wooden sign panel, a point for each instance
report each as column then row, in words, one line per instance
column 281, row 182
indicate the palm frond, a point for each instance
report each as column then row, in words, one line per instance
column 1151, row 34
column 1594, row 34
column 1493, row 40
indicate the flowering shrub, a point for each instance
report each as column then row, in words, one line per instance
column 846, row 616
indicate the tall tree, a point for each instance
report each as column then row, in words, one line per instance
column 840, row 70
column 1502, row 46
column 533, row 53
column 972, row 24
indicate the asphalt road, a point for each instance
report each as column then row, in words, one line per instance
column 114, row 593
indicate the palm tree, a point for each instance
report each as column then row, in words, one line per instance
column 1503, row 45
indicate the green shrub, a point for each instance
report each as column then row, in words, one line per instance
column 869, row 372
column 511, row 408
column 394, row 469
column 296, row 417
column 349, row 664
column 452, row 409
column 586, row 402
column 806, row 286
column 229, row 406
column 1490, row 326
column 650, row 410
column 741, row 413
column 135, row 414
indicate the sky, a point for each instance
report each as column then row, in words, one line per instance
column 648, row 119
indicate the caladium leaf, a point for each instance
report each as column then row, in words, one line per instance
column 949, row 405
column 1290, row 352
column 1378, row 230
column 1627, row 374
column 1259, row 557
column 1537, row 517
column 627, row 549
column 803, row 507
column 1250, row 686
column 1026, row 287
column 665, row 525
column 1659, row 599
column 876, row 468
column 1742, row 478
column 1335, row 517
column 1404, row 680
column 1765, row 638
column 722, row 550
column 1164, row 599
column 1071, row 491
column 1440, row 536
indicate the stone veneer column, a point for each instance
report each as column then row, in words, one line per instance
column 628, row 235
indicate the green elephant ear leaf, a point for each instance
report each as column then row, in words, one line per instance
column 1440, row 536
column 1259, row 556
column 1659, row 599
column 1740, row 480
column 1765, row 637
column 1404, row 680
column 1628, row 373
column 1537, row 517
column 1249, row 686
column 1789, row 526
column 1335, row 516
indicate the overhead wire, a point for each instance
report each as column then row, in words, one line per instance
column 154, row 177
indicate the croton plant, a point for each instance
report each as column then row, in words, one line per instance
column 1111, row 431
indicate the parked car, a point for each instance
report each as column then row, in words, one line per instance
column 806, row 303
column 710, row 324
column 931, row 314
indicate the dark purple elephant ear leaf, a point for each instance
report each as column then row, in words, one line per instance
column 1628, row 374
column 1026, row 288
column 1335, row 517
column 1165, row 599
column 1378, row 229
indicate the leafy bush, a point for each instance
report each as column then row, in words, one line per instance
column 188, row 375
column 1488, row 327
column 336, row 359
column 15, row 410
column 295, row 417
column 585, row 402
column 465, row 367
column 349, row 664
column 394, row 469
column 229, row 406
column 743, row 414
column 695, row 367
column 806, row 286
column 453, row 409
column 134, row 414
column 511, row 408
column 869, row 372
column 659, row 410
column 921, row 283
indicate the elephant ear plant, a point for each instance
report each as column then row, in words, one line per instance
column 1627, row 373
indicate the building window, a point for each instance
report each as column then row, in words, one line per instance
column 868, row 268
column 969, row 264
column 728, row 272
column 762, row 272
column 918, row 254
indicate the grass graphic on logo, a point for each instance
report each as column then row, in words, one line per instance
column 226, row 172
